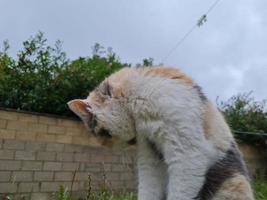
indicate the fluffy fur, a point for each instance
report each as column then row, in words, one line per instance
column 185, row 149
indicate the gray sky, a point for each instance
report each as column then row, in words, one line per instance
column 226, row 56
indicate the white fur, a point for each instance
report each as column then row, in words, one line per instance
column 168, row 113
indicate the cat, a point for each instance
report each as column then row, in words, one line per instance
column 185, row 149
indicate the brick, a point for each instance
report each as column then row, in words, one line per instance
column 7, row 134
column 28, row 187
column 31, row 165
column 73, row 148
column 110, row 158
column 98, row 158
column 52, row 166
column 38, row 128
column 14, row 144
column 67, row 123
column 6, row 154
column 63, row 139
column 45, row 137
column 5, row 176
column 3, row 123
column 55, row 147
column 17, row 125
column 10, row 165
column 22, row 176
column 93, row 167
column 40, row 196
column 72, row 131
column 8, row 187
column 70, row 166
column 127, row 176
column 46, row 156
column 26, row 135
column 28, row 118
column 56, row 129
column 25, row 155
column 118, row 168
column 111, row 176
column 64, row 156
column 47, row 120
column 81, row 176
column 81, row 140
column 52, row 186
column 81, row 157
column 64, row 176
column 43, row 176
column 35, row 146
column 8, row 115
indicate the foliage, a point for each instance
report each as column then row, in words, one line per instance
column 246, row 117
column 42, row 79
column 62, row 193
column 260, row 189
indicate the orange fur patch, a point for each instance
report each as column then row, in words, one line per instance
column 236, row 188
column 171, row 73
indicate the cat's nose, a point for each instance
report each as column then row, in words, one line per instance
column 104, row 133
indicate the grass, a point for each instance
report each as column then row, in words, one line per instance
column 260, row 189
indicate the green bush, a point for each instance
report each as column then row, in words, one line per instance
column 42, row 79
column 246, row 117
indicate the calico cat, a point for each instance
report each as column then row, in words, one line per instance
column 185, row 148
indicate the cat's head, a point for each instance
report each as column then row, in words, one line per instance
column 105, row 112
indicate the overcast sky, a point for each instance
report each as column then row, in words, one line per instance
column 226, row 56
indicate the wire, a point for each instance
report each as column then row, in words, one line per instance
column 199, row 23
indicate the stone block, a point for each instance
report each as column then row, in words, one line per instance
column 5, row 176
column 32, row 165
column 47, row 120
column 25, row 155
column 8, row 188
column 55, row 147
column 3, row 123
column 6, row 154
column 23, row 176
column 46, row 156
column 8, row 115
column 17, row 125
column 63, row 139
column 28, row 187
column 52, row 166
column 38, row 128
column 10, row 165
column 63, row 156
column 64, row 176
column 70, row 166
column 7, row 134
column 73, row 148
column 35, row 146
column 43, row 176
column 56, row 130
column 13, row 144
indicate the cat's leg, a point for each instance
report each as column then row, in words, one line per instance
column 152, row 177
column 235, row 188
column 187, row 164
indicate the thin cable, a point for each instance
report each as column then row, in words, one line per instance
column 199, row 23
column 178, row 43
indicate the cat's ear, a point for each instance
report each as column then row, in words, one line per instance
column 81, row 108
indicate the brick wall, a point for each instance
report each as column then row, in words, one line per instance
column 38, row 153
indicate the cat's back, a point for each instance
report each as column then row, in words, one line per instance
column 226, row 177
